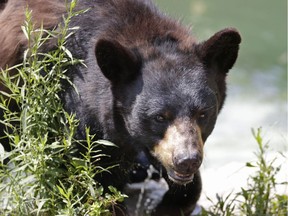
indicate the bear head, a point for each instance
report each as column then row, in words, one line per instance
column 169, row 102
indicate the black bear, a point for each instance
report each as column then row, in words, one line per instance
column 148, row 87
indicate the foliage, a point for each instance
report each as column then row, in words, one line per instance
column 260, row 198
column 45, row 174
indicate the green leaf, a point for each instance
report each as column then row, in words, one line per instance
column 106, row 143
column 248, row 164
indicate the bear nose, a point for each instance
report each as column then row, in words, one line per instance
column 187, row 163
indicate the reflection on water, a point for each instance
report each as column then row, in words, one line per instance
column 257, row 85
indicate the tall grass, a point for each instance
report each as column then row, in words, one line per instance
column 45, row 174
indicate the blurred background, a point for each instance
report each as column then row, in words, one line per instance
column 257, row 85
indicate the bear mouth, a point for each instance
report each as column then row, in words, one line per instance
column 179, row 178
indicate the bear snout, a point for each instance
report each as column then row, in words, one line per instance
column 186, row 163
column 180, row 151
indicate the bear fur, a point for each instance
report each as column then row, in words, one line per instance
column 149, row 86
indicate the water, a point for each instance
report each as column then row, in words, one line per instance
column 257, row 85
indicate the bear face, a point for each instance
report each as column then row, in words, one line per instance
column 169, row 103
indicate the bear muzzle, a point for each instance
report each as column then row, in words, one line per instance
column 183, row 167
column 180, row 152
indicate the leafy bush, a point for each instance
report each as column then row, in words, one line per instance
column 45, row 174
column 260, row 198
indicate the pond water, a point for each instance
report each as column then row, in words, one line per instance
column 257, row 85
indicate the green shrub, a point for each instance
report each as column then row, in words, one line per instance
column 260, row 197
column 45, row 175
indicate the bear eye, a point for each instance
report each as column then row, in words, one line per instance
column 202, row 116
column 160, row 118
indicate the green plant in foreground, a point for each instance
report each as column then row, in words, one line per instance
column 45, row 174
column 260, row 198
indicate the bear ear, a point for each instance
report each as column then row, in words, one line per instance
column 221, row 50
column 117, row 63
